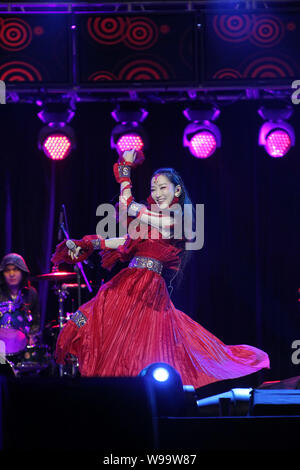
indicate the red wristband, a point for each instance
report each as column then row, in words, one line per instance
column 122, row 173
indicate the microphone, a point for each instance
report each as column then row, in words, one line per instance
column 71, row 245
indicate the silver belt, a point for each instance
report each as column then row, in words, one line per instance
column 145, row 262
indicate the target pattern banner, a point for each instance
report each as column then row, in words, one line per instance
column 232, row 47
column 150, row 48
column 15, row 34
column 247, row 46
column 35, row 48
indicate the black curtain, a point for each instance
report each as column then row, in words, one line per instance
column 242, row 285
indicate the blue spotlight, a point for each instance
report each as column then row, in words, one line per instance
column 161, row 374
column 166, row 385
column 172, row 398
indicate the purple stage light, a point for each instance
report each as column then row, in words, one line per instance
column 129, row 133
column 202, row 139
column 130, row 141
column 57, row 146
column 277, row 138
column 278, row 143
column 203, row 144
column 56, row 141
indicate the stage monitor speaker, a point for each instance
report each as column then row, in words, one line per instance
column 82, row 414
column 291, row 383
column 275, row 402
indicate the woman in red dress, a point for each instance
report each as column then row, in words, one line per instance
column 132, row 322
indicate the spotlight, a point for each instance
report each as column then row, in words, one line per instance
column 56, row 139
column 125, row 137
column 201, row 136
column 162, row 373
column 276, row 135
column 128, row 133
column 167, row 386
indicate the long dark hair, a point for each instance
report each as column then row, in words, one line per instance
column 24, row 284
column 188, row 210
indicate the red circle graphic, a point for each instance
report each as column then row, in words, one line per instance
column 18, row 71
column 107, row 30
column 15, row 34
column 267, row 31
column 102, row 76
column 38, row 30
column 142, row 33
column 268, row 67
column 233, row 28
column 227, row 74
column 143, row 69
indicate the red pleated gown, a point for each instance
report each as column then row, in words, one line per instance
column 132, row 322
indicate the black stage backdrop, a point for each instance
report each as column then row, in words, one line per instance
column 242, row 285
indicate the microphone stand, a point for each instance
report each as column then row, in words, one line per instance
column 78, row 270
column 61, row 292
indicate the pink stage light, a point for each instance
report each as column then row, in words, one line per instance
column 278, row 143
column 203, row 144
column 57, row 146
column 130, row 141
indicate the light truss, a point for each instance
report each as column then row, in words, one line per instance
column 136, row 92
column 148, row 95
column 136, row 5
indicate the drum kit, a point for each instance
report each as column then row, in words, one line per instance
column 22, row 354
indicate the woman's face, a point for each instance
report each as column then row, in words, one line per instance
column 12, row 276
column 163, row 191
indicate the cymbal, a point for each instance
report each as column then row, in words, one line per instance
column 55, row 276
column 73, row 286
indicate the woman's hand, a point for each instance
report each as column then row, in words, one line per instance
column 74, row 255
column 130, row 155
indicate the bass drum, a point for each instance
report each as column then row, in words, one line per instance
column 13, row 331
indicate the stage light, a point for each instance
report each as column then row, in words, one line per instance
column 277, row 138
column 276, row 135
column 201, row 136
column 129, row 141
column 234, row 402
column 161, row 374
column 57, row 146
column 56, row 139
column 278, row 143
column 128, row 133
column 167, row 387
column 56, row 142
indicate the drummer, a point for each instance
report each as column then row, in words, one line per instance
column 17, row 295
